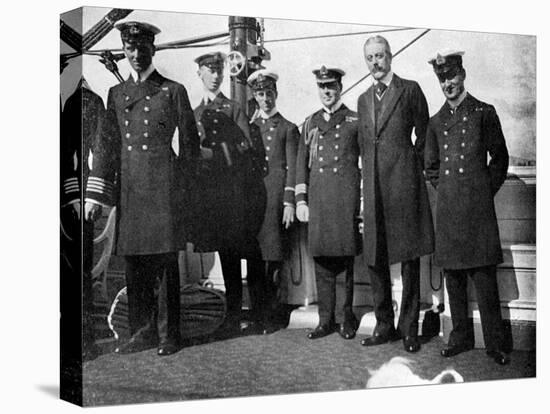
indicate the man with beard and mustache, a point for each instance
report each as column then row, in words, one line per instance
column 398, row 225
column 467, row 241
column 328, row 199
column 144, row 115
column 230, row 195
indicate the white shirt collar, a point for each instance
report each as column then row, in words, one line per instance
column 386, row 80
column 209, row 95
column 267, row 115
column 334, row 108
column 458, row 101
column 143, row 75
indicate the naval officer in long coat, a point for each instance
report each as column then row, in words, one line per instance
column 467, row 241
column 398, row 224
column 81, row 121
column 328, row 198
column 230, row 192
column 280, row 138
column 135, row 146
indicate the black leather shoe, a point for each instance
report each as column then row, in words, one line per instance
column 137, row 343
column 499, row 357
column 348, row 328
column 166, row 349
column 91, row 352
column 452, row 350
column 258, row 328
column 320, row 331
column 411, row 344
column 267, row 328
column 378, row 339
column 229, row 329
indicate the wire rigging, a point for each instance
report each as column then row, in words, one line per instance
column 395, row 54
column 337, row 35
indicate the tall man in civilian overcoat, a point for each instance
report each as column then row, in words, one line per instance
column 397, row 217
column 467, row 241
column 143, row 116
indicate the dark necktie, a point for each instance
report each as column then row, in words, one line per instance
column 380, row 89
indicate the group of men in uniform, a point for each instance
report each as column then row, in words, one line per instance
column 236, row 185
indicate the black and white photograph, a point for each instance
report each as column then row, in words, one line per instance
column 293, row 211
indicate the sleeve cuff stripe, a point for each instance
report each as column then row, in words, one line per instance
column 301, row 188
column 102, row 180
column 99, row 182
column 100, row 186
column 290, row 189
column 105, row 193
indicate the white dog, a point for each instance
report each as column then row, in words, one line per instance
column 397, row 372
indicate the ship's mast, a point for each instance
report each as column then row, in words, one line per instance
column 243, row 33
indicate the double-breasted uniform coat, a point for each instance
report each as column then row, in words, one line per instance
column 81, row 121
column 457, row 144
column 328, row 179
column 230, row 194
column 230, row 198
column 398, row 223
column 280, row 138
column 135, row 146
column 467, row 237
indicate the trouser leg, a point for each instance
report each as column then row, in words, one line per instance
column 325, row 279
column 231, row 268
column 382, row 297
column 457, row 284
column 87, row 287
column 488, row 300
column 349, row 284
column 410, row 301
column 273, row 283
column 168, row 319
column 257, row 288
column 139, row 301
column 379, row 273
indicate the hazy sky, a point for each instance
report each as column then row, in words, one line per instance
column 500, row 67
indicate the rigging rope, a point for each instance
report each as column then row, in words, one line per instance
column 395, row 54
column 338, row 35
column 368, row 74
column 184, row 45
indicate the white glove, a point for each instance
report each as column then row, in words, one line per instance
column 288, row 216
column 302, row 213
column 91, row 211
column 206, row 153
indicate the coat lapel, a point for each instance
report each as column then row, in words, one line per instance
column 136, row 92
column 394, row 92
column 337, row 117
column 464, row 108
column 369, row 96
